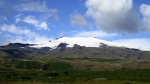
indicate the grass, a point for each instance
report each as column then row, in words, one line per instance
column 59, row 66
column 107, row 60
column 79, row 82
column 73, row 76
column 26, row 71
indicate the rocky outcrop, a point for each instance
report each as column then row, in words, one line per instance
column 62, row 46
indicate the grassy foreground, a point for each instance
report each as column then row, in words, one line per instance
column 73, row 76
column 63, row 72
column 88, row 82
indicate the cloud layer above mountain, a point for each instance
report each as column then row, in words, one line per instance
column 145, row 10
column 113, row 15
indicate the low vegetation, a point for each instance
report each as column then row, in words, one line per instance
column 107, row 60
column 19, row 71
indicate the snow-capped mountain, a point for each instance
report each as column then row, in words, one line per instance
column 76, row 47
column 89, row 42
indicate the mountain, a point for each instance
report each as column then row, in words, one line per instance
column 72, row 48
column 88, row 42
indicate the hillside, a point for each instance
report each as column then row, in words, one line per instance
column 67, row 48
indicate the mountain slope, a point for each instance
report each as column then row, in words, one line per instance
column 68, row 48
column 87, row 42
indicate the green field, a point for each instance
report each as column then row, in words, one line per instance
column 75, row 76
column 55, row 71
column 107, row 60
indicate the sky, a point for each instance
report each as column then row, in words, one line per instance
column 38, row 21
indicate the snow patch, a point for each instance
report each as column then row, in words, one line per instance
column 90, row 42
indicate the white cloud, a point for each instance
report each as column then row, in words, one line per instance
column 17, row 18
column 38, row 7
column 145, row 10
column 43, row 25
column 113, row 15
column 33, row 7
column 13, row 33
column 13, row 29
column 78, row 19
column 3, row 18
column 138, row 43
column 33, row 21
column 32, row 40
column 93, row 34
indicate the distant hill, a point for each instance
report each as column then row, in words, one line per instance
column 92, row 49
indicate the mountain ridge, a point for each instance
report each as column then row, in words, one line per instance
column 87, row 42
column 61, row 51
